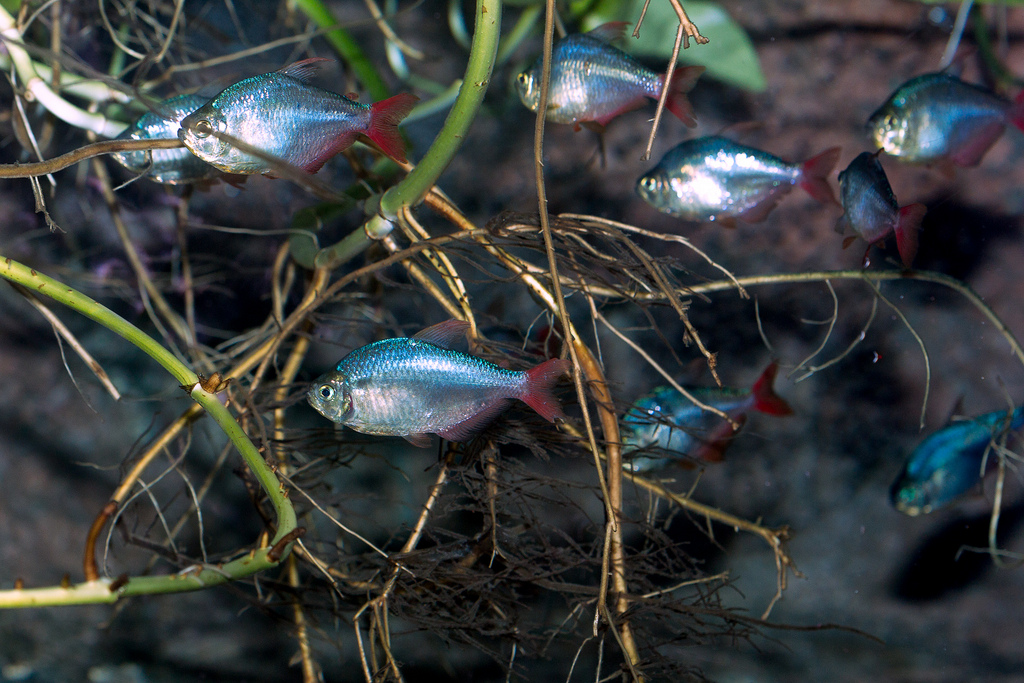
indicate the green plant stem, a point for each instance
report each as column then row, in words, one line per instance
column 99, row 591
column 346, row 47
column 58, row 291
column 353, row 244
column 482, row 53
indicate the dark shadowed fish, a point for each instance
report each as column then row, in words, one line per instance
column 664, row 427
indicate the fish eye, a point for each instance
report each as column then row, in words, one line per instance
column 326, row 392
column 522, row 78
column 204, row 129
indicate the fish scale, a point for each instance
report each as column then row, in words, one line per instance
column 937, row 117
column 281, row 114
column 594, row 77
column 398, row 384
column 412, row 387
column 166, row 166
column 713, row 178
column 593, row 82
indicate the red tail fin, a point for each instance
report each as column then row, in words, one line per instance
column 765, row 398
column 683, row 80
column 384, row 119
column 814, row 178
column 907, row 226
column 1017, row 111
column 537, row 392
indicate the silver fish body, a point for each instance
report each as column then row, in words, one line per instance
column 948, row 463
column 167, row 166
column 937, row 116
column 280, row 114
column 412, row 387
column 593, row 81
column 665, row 428
column 711, row 178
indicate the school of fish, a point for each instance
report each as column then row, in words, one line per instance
column 419, row 386
column 261, row 124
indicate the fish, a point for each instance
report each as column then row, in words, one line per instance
column 593, row 82
column 281, row 114
column 937, row 117
column 948, row 463
column 871, row 210
column 715, row 179
column 416, row 386
column 664, row 427
column 166, row 166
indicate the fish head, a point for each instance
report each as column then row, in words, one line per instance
column 528, row 87
column 889, row 129
column 329, row 395
column 199, row 132
column 913, row 496
column 655, row 188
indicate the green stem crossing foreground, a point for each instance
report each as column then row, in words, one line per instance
column 110, row 590
column 482, row 53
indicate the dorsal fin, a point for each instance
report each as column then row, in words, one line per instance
column 443, row 334
column 610, row 32
column 305, row 69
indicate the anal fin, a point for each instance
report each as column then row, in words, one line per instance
column 463, row 431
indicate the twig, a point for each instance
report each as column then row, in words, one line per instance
column 828, row 333
column 615, row 559
column 920, row 342
column 661, row 371
column 687, row 29
column 70, row 338
column 83, row 153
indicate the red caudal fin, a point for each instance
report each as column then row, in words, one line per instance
column 683, row 80
column 537, row 392
column 1017, row 111
column 908, row 224
column 384, row 119
column 814, row 178
column 765, row 398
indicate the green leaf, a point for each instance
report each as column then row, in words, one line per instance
column 729, row 57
